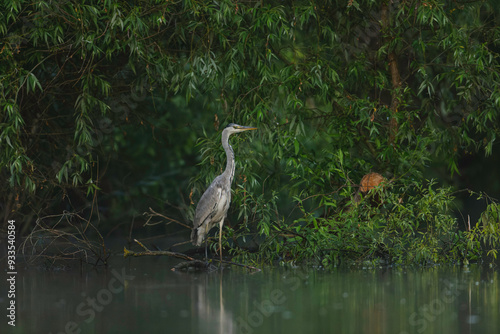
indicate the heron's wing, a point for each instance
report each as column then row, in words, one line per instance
column 207, row 206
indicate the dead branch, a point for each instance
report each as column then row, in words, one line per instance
column 153, row 213
column 195, row 262
column 64, row 237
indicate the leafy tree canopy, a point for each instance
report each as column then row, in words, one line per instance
column 103, row 101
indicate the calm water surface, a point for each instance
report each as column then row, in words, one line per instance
column 142, row 295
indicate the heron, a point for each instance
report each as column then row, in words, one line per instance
column 214, row 203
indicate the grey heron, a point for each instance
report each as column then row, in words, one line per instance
column 214, row 203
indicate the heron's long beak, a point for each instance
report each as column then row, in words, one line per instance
column 245, row 128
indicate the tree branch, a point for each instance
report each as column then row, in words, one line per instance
column 193, row 263
column 394, row 70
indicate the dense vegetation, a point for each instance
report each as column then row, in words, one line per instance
column 102, row 104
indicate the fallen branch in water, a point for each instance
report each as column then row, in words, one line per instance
column 184, row 265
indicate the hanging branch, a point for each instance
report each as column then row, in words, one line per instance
column 192, row 262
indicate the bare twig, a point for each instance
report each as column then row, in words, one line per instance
column 153, row 213
column 64, row 237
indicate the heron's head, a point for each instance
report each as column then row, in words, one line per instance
column 235, row 128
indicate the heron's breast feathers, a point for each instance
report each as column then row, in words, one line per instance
column 211, row 209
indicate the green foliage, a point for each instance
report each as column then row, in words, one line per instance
column 108, row 97
column 403, row 224
column 486, row 233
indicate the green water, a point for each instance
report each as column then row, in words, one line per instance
column 142, row 295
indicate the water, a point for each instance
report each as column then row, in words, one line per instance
column 142, row 295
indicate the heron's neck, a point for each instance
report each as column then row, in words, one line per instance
column 229, row 172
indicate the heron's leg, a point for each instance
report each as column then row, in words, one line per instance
column 220, row 239
column 206, row 254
